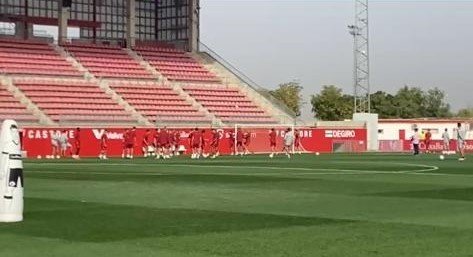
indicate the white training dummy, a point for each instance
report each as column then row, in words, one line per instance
column 11, row 173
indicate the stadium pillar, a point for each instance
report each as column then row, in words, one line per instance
column 194, row 27
column 131, row 20
column 63, row 17
column 23, row 30
column 371, row 120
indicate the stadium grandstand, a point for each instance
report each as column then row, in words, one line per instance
column 135, row 62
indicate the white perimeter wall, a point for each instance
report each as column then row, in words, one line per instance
column 390, row 130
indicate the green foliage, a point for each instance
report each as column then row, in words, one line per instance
column 408, row 102
column 332, row 104
column 382, row 103
column 465, row 113
column 435, row 105
column 290, row 94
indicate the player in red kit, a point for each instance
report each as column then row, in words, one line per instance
column 103, row 145
column 215, row 144
column 163, row 144
column 272, row 142
column 196, row 143
column 231, row 142
column 246, row 142
column 428, row 140
column 297, row 142
column 177, row 142
column 126, row 136
column 203, row 144
column 146, row 143
column 77, row 144
column 239, row 142
column 157, row 146
column 131, row 143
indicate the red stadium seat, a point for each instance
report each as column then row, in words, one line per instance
column 73, row 101
column 175, row 64
column 11, row 108
column 107, row 61
column 229, row 104
column 28, row 57
column 153, row 100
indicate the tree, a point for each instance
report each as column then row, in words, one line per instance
column 409, row 103
column 290, row 94
column 332, row 104
column 382, row 103
column 435, row 105
column 465, row 113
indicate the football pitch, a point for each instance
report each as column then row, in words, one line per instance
column 328, row 205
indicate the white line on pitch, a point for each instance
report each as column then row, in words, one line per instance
column 427, row 168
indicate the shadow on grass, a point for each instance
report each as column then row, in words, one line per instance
column 461, row 194
column 94, row 222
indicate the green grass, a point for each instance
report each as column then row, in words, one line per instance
column 329, row 205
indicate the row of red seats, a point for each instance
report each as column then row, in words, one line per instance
column 159, row 91
column 191, row 78
column 96, row 59
column 167, row 63
column 25, row 61
column 179, row 73
column 48, row 72
column 229, row 104
column 245, row 103
column 23, row 118
column 153, row 100
column 116, row 56
column 180, row 118
column 248, row 120
column 32, row 58
column 61, row 88
column 177, row 68
column 27, row 51
column 216, row 93
column 221, row 98
column 145, row 97
column 63, row 103
column 51, row 81
column 89, row 45
column 234, row 108
column 160, row 102
column 92, row 118
column 51, row 100
column 108, row 62
column 165, row 49
column 12, row 108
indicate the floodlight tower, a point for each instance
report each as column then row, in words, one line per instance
column 361, row 69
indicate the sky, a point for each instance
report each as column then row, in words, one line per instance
column 417, row 43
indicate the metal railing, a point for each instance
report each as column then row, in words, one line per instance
column 203, row 48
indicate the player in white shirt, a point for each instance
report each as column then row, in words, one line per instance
column 415, row 140
column 56, row 150
column 461, row 141
column 63, row 143
column 288, row 142
column 446, row 140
